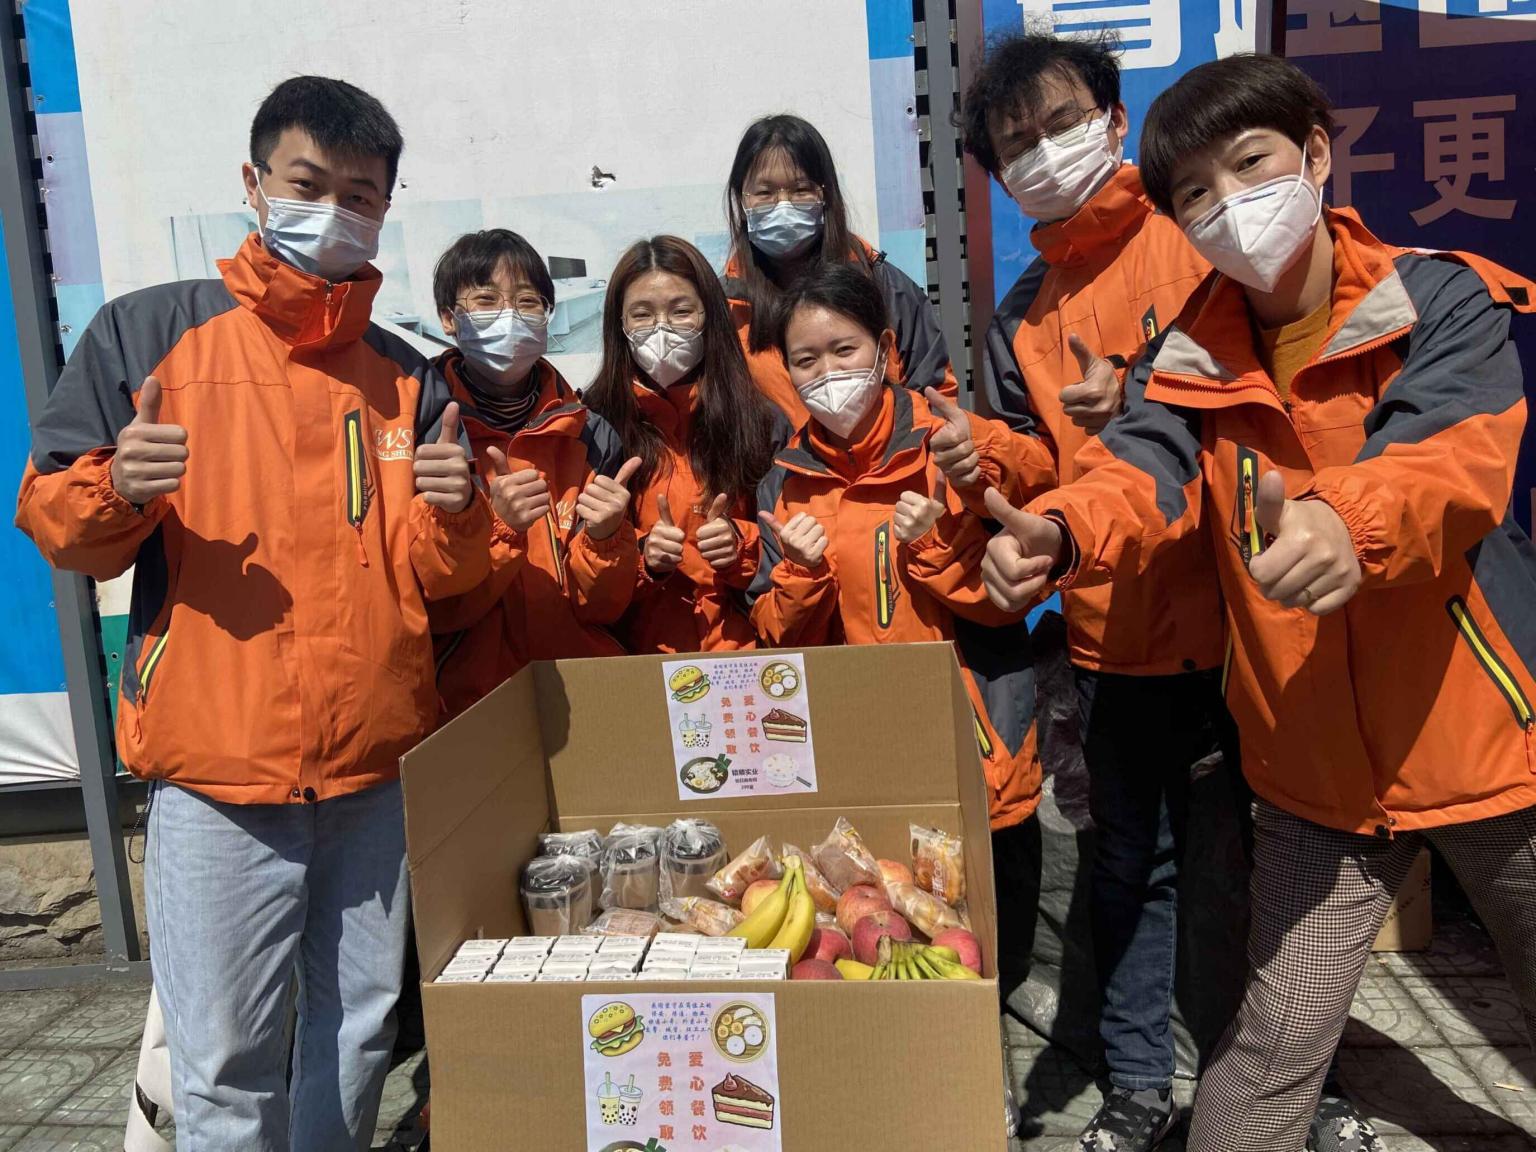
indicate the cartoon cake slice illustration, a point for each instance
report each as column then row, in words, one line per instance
column 739, row 1101
column 784, row 727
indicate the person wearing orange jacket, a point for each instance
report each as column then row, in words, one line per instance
column 674, row 386
column 1341, row 417
column 291, row 485
column 787, row 214
column 1043, row 116
column 563, row 555
column 869, row 543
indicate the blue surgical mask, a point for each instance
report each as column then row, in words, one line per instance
column 324, row 240
column 784, row 231
column 502, row 344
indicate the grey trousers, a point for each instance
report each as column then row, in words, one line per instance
column 1319, row 898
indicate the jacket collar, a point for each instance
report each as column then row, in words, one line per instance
column 1100, row 226
column 558, row 410
column 893, row 447
column 671, row 410
column 303, row 311
column 1212, row 349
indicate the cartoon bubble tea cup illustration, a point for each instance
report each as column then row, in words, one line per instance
column 608, row 1100
column 629, row 1104
column 695, row 733
column 616, row 1029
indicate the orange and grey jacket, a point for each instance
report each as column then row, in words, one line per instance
column 278, row 646
column 872, row 589
column 1411, row 707
column 553, row 592
column 1114, row 274
column 922, row 356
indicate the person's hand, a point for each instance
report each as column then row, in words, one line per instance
column 717, row 540
column 603, row 503
column 802, row 540
column 151, row 457
column 1096, row 400
column 520, row 499
column 1019, row 559
column 664, row 544
column 954, row 451
column 916, row 513
column 1312, row 562
column 442, row 469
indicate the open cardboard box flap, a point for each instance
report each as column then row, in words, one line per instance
column 586, row 744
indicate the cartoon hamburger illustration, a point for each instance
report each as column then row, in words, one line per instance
column 689, row 684
column 615, row 1029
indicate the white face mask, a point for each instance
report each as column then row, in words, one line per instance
column 666, row 354
column 1255, row 235
column 502, row 344
column 324, row 240
column 1057, row 176
column 839, row 400
column 784, row 231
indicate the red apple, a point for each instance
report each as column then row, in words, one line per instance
column 894, row 872
column 828, row 944
column 814, row 970
column 964, row 943
column 756, row 892
column 857, row 903
column 868, row 931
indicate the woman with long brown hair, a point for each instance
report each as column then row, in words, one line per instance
column 787, row 215
column 674, row 385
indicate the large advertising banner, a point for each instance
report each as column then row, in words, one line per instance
column 1432, row 97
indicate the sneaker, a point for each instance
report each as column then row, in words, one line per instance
column 1130, row 1121
column 1337, row 1127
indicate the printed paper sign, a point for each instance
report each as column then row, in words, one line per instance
column 741, row 726
column 673, row 1072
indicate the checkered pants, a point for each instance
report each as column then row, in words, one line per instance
column 1319, row 897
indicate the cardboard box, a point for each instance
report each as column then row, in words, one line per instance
column 585, row 744
column 1409, row 924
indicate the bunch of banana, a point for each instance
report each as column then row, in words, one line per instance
column 786, row 918
column 905, row 960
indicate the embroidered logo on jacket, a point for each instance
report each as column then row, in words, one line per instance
column 394, row 443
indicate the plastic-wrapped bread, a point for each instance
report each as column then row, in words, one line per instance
column 709, row 917
column 823, row 895
column 938, row 864
column 758, row 862
column 923, row 910
column 844, row 860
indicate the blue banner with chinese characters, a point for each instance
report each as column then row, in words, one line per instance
column 1432, row 97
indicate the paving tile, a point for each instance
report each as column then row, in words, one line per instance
column 33, row 1082
column 10, row 1133
column 112, row 1018
column 23, row 1013
column 1458, row 949
column 1056, row 1096
column 405, row 1090
column 1443, row 1143
column 1385, row 1013
column 1020, row 1034
column 1508, row 1076
column 104, row 1101
column 66, row 1138
column 1424, row 1092
column 1470, row 1011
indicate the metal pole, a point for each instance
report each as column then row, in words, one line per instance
column 37, row 342
column 943, row 155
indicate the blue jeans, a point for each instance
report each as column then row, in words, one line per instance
column 1142, row 737
column 242, row 899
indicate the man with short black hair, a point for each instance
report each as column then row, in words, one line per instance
column 291, row 485
column 1340, row 418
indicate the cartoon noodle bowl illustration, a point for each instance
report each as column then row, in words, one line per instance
column 706, row 774
column 615, row 1029
column 689, row 684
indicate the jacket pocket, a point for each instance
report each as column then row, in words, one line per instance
column 153, row 655
column 1499, row 672
column 357, row 488
column 885, row 577
column 1245, row 521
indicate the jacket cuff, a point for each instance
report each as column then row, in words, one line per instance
column 1364, row 535
column 822, row 571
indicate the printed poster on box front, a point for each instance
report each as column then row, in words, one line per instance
column 672, row 1072
column 741, row 726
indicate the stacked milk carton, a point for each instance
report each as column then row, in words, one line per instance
column 667, row 956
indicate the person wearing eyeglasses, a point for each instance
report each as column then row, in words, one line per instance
column 674, row 385
column 787, row 213
column 563, row 553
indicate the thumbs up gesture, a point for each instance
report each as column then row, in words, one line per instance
column 916, row 513
column 603, row 504
column 1019, row 558
column 951, row 444
column 664, row 543
column 442, row 468
column 151, row 457
column 1312, row 562
column 802, row 540
column 1096, row 400
column 520, row 499
column 717, row 540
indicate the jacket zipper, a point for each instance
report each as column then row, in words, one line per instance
column 1250, row 539
column 1502, row 677
column 983, row 742
column 149, row 665
column 356, row 479
column 554, row 547
column 885, row 578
